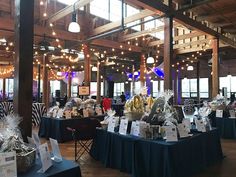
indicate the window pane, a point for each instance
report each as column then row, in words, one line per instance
column 185, row 85
column 203, row 85
column 193, row 85
column 100, row 9
column 161, row 86
column 115, row 10
column 233, row 84
column 186, row 94
column 225, row 82
column 204, row 95
column 55, row 85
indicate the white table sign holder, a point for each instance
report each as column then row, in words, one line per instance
column 123, row 126
column 8, row 164
column 45, row 158
column 55, row 150
column 219, row 113
column 171, row 133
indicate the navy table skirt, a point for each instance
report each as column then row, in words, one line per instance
column 152, row 158
column 57, row 128
column 227, row 127
column 65, row 168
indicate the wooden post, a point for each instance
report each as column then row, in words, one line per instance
column 45, row 83
column 198, row 83
column 215, row 67
column 98, row 83
column 4, row 89
column 39, row 79
column 23, row 75
column 142, row 70
column 168, row 51
column 87, row 67
column 69, row 85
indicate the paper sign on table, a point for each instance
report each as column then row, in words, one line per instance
column 54, row 113
column 36, row 139
column 232, row 113
column 219, row 113
column 112, row 124
column 85, row 113
column 138, row 128
column 55, row 150
column 200, row 125
column 123, row 126
column 8, row 164
column 183, row 130
column 45, row 157
column 171, row 133
column 187, row 124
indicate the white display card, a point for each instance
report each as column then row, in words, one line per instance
column 36, row 139
column 183, row 130
column 123, row 126
column 31, row 141
column 219, row 113
column 171, row 133
column 138, row 128
column 60, row 113
column 55, row 150
column 45, row 157
column 112, row 124
column 200, row 125
column 134, row 125
column 8, row 164
column 232, row 113
column 68, row 114
column 187, row 124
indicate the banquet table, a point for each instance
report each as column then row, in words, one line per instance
column 56, row 128
column 157, row 158
column 65, row 168
column 227, row 127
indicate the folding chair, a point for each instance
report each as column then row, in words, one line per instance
column 83, row 134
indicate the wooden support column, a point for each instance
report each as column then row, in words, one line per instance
column 215, row 67
column 142, row 70
column 4, row 89
column 87, row 67
column 168, row 51
column 23, row 75
column 69, row 85
column 45, row 83
column 98, row 83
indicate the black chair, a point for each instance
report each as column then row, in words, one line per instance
column 83, row 134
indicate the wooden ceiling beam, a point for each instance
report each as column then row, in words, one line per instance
column 192, row 43
column 158, row 6
column 114, row 25
column 144, row 32
column 67, row 10
column 176, row 38
column 116, row 45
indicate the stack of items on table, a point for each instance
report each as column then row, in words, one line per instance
column 160, row 120
column 74, row 108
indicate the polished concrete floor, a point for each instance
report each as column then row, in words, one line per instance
column 92, row 168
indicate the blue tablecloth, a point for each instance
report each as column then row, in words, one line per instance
column 65, row 168
column 57, row 128
column 149, row 158
column 227, row 127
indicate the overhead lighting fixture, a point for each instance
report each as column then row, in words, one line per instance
column 74, row 26
column 136, row 73
column 130, row 79
column 94, row 68
column 150, row 60
column 190, row 68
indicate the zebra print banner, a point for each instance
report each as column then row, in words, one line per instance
column 38, row 110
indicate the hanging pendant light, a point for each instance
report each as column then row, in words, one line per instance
column 150, row 59
column 94, row 68
column 190, row 68
column 74, row 26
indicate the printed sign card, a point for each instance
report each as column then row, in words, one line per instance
column 68, row 114
column 45, row 158
column 138, row 128
column 60, row 113
column 54, row 113
column 55, row 150
column 123, row 126
column 219, row 113
column 8, row 164
column 112, row 124
column 36, row 139
column 183, row 130
column 232, row 113
column 85, row 113
column 187, row 124
column 200, row 125
column 171, row 133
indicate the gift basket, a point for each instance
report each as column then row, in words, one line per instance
column 219, row 102
column 134, row 108
column 11, row 140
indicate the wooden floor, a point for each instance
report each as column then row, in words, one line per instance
column 92, row 168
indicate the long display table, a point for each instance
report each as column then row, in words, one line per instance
column 62, row 169
column 226, row 126
column 157, row 158
column 56, row 128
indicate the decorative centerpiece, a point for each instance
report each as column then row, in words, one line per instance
column 134, row 108
column 11, row 140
